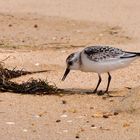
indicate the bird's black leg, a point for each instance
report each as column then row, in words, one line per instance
column 109, row 80
column 99, row 81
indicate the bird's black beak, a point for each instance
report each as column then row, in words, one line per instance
column 65, row 74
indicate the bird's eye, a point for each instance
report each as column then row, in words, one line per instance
column 70, row 63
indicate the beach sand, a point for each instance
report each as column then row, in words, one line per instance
column 39, row 35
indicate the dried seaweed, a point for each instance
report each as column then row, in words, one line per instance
column 9, row 74
column 32, row 86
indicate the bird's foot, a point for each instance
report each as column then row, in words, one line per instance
column 95, row 91
column 100, row 93
column 107, row 92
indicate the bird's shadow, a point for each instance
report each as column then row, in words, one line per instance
column 71, row 91
column 75, row 91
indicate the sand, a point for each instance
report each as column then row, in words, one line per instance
column 38, row 35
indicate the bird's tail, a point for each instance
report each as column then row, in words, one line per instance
column 137, row 54
column 130, row 54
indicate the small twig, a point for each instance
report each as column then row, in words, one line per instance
column 5, row 59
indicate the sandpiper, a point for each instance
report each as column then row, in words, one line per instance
column 99, row 59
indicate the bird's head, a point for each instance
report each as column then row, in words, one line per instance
column 73, row 63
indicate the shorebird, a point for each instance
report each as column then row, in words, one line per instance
column 99, row 59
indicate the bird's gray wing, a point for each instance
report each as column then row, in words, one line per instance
column 103, row 53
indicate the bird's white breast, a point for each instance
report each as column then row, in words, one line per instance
column 88, row 65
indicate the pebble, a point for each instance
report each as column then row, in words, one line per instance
column 107, row 129
column 77, row 137
column 10, row 123
column 64, row 102
column 64, row 116
column 105, row 116
column 35, row 26
column 73, row 110
column 97, row 115
column 93, row 126
column 36, row 116
column 126, row 125
column 37, row 64
column 91, row 107
column 58, row 120
column 10, row 25
column 116, row 113
column 25, row 130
